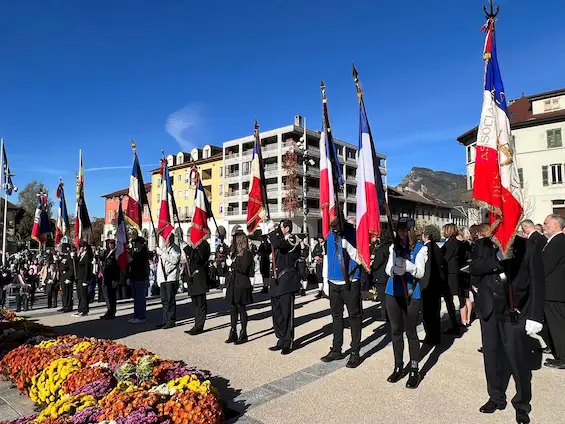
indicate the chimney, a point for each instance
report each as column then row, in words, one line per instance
column 298, row 121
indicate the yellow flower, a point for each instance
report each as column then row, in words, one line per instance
column 81, row 347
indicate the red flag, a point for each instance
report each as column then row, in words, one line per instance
column 199, row 229
column 122, row 241
column 165, row 227
column 256, row 205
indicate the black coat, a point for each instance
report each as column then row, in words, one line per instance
column 84, row 268
column 485, row 268
column 222, row 251
column 138, row 268
column 265, row 253
column 434, row 275
column 451, row 256
column 287, row 252
column 240, row 290
column 554, row 265
column 198, row 268
column 67, row 268
column 538, row 238
column 378, row 265
column 110, row 268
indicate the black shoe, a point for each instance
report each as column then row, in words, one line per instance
column 276, row 348
column 396, row 375
column 431, row 342
column 60, row 310
column 242, row 338
column 522, row 417
column 414, row 379
column 195, row 331
column 286, row 351
column 233, row 337
column 332, row 356
column 302, row 292
column 319, row 295
column 159, row 326
column 490, row 407
column 354, row 360
column 453, row 331
column 556, row 365
column 265, row 290
column 169, row 325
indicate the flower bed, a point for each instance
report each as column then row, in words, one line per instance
column 76, row 380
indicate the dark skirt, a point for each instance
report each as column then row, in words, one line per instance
column 302, row 270
column 239, row 296
column 453, row 281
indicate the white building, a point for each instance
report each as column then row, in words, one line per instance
column 538, row 126
column 276, row 143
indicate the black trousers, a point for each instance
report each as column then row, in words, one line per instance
column 505, row 354
column 350, row 296
column 403, row 319
column 100, row 289
column 67, row 297
column 382, row 298
column 82, row 292
column 283, row 319
column 21, row 300
column 200, row 310
column 431, row 314
column 448, row 299
column 169, row 302
column 51, row 292
column 240, row 310
column 555, row 316
column 111, row 300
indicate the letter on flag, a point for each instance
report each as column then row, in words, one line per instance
column 41, row 225
column 121, row 241
column 62, row 215
column 497, row 185
column 199, row 229
column 256, row 205
column 164, row 228
column 137, row 197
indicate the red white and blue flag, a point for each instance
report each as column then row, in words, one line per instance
column 164, row 228
column 137, row 196
column 199, row 229
column 41, row 225
column 331, row 178
column 368, row 219
column 256, row 205
column 122, row 241
column 82, row 220
column 62, row 226
column 497, row 184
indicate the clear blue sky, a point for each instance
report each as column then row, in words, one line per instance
column 94, row 74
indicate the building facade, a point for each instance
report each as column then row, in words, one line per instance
column 538, row 127
column 14, row 215
column 209, row 163
column 276, row 143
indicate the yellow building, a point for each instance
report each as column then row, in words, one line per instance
column 209, row 163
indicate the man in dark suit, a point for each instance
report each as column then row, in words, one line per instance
column 430, row 285
column 111, row 277
column 554, row 264
column 529, row 229
column 285, row 284
column 197, row 258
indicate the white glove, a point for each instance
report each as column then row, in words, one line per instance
column 533, row 327
column 270, row 226
column 229, row 262
column 398, row 270
column 326, row 287
column 410, row 267
column 401, row 262
column 225, row 291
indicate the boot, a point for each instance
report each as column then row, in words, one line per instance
column 414, row 379
column 397, row 374
column 233, row 337
column 242, row 338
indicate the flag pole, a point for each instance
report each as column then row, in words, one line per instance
column 2, row 178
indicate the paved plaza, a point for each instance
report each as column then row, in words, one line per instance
column 259, row 386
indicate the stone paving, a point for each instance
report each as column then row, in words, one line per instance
column 259, row 386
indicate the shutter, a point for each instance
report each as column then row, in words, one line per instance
column 545, row 175
column 557, row 138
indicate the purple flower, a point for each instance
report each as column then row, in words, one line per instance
column 98, row 389
column 145, row 415
column 87, row 415
column 174, row 373
column 24, row 420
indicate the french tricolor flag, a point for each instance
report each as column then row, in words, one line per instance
column 137, row 197
column 497, row 184
column 122, row 241
column 199, row 229
column 62, row 226
column 256, row 209
column 164, row 227
column 368, row 220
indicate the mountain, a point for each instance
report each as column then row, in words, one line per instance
column 435, row 184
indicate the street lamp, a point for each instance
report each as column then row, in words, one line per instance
column 302, row 145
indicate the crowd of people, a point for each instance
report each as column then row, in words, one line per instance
column 514, row 295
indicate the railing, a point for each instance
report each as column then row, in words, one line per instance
column 270, row 169
column 246, row 172
column 232, row 175
column 272, row 187
column 247, row 153
column 232, row 193
column 233, row 212
column 232, row 156
column 270, row 147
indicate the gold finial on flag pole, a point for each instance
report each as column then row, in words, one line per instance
column 133, row 146
column 357, row 83
column 323, row 88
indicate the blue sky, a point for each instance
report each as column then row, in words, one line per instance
column 92, row 75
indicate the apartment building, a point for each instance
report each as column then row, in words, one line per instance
column 538, row 125
column 276, row 143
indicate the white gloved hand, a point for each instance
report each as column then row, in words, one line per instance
column 410, row 267
column 401, row 262
column 398, row 270
column 533, row 327
column 229, row 262
column 224, row 291
column 270, row 226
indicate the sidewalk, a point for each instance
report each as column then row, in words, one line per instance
column 261, row 386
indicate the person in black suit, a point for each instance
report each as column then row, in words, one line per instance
column 67, row 271
column 510, row 304
column 318, row 254
column 239, row 292
column 285, row 285
column 529, row 229
column 451, row 286
column 197, row 258
column 83, row 276
column 378, row 270
column 554, row 264
column 264, row 252
column 303, row 265
column 430, row 285
column 111, row 278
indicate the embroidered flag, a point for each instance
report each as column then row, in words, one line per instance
column 137, row 196
column 256, row 205
column 122, row 241
column 62, row 226
column 164, row 228
column 199, row 229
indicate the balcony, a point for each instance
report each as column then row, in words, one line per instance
column 246, row 172
column 246, row 156
column 272, row 187
column 270, row 150
column 351, row 178
column 271, row 170
column 313, row 192
column 235, row 193
column 231, row 175
column 232, row 158
column 351, row 161
column 232, row 212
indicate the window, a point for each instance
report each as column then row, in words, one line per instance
column 186, row 195
column 471, row 182
column 146, row 211
column 556, row 174
column 158, row 199
column 471, row 153
column 179, row 194
column 547, row 106
column 221, row 171
column 179, row 178
column 559, row 207
column 521, row 177
column 111, row 215
column 186, row 211
column 554, row 138
column 187, row 177
column 159, row 182
column 221, row 208
column 221, row 189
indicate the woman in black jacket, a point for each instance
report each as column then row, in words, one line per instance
column 452, row 286
column 378, row 266
column 239, row 291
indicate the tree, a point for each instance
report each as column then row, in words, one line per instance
column 291, row 202
column 97, row 229
column 528, row 203
column 27, row 199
